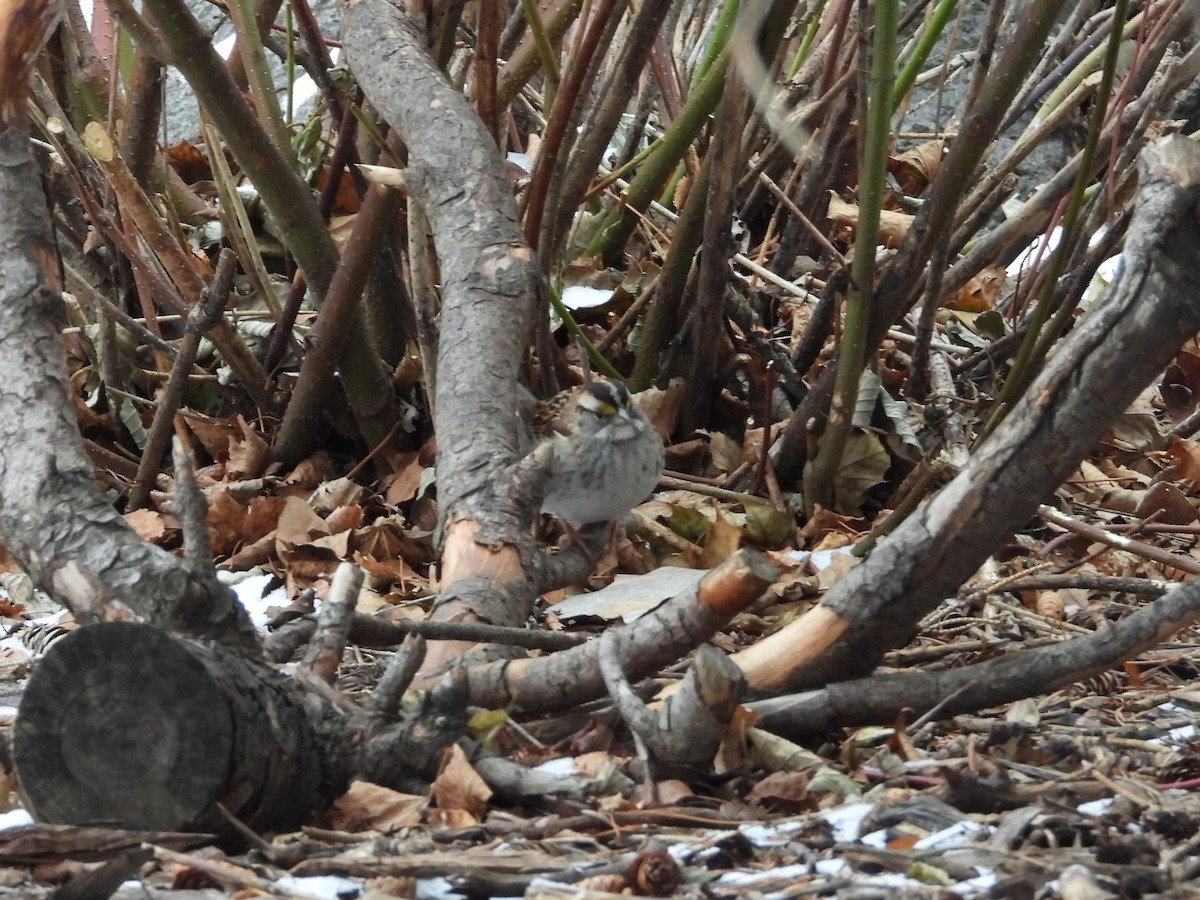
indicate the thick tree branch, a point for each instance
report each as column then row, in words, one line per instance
column 488, row 299
column 1014, row 676
column 53, row 520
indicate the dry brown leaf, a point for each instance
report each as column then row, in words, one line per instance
column 1180, row 384
column 980, row 292
column 393, row 569
column 248, row 452
column 1094, row 485
column 788, row 790
column 330, row 546
column 298, row 523
column 346, row 199
column 915, row 168
column 1185, row 457
column 682, row 189
column 401, row 486
column 226, row 518
column 734, row 754
column 723, row 541
column 903, row 842
column 601, row 885
column 662, row 407
column 214, row 435
column 391, row 886
column 388, row 539
column 1050, row 605
column 459, row 787
column 673, row 792
column 369, row 806
column 839, row 565
column 147, row 523
column 262, row 516
column 825, row 522
column 1169, row 502
column 310, row 473
column 451, row 818
column 344, row 518
column 258, row 553
column 594, row 764
column 892, row 225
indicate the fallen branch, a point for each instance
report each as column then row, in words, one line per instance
column 1025, row 673
column 654, row 640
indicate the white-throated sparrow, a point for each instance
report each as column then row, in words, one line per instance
column 607, row 455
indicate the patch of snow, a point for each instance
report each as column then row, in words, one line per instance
column 15, row 818
column 748, row 878
column 877, row 839
column 846, row 821
column 831, row 867
column 770, row 835
column 248, row 586
column 980, row 885
column 321, row 887
column 580, row 296
column 964, row 832
column 1186, row 733
column 1095, row 807
column 522, row 160
column 821, row 559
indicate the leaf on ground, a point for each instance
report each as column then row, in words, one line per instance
column 768, row 527
column 338, row 492
column 148, row 524
column 459, row 787
column 1185, row 457
column 213, row 434
column 226, row 521
column 980, row 293
column 367, row 806
column 722, row 542
column 864, row 464
column 248, row 452
column 915, row 168
column 630, row 596
column 401, row 486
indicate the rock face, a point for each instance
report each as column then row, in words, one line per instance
column 937, row 103
column 179, row 108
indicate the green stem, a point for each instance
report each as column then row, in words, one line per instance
column 720, row 37
column 810, row 34
column 658, row 327
column 852, row 352
column 545, row 52
column 929, row 37
column 621, row 220
column 1089, row 64
column 258, row 75
column 290, row 64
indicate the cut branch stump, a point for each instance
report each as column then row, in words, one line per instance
column 124, row 724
